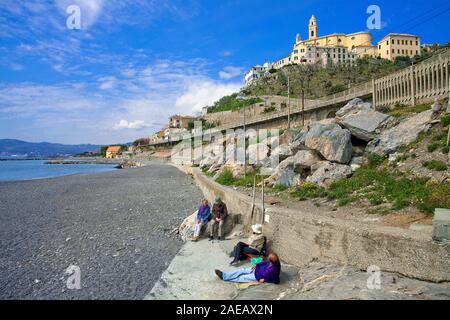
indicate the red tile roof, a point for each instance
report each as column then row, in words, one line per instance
column 114, row 149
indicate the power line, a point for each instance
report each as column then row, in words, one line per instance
column 429, row 19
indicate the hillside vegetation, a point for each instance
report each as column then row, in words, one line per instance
column 318, row 81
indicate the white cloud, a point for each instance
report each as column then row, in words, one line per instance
column 137, row 124
column 90, row 10
column 226, row 53
column 230, row 72
column 107, row 83
column 204, row 93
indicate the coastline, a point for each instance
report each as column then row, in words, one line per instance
column 116, row 226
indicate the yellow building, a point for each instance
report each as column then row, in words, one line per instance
column 399, row 44
column 358, row 43
column 113, row 152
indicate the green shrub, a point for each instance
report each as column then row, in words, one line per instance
column 401, row 110
column 435, row 165
column 279, row 187
column 432, row 147
column 375, row 160
column 380, row 186
column 309, row 191
column 445, row 121
column 226, row 178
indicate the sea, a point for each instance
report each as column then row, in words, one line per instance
column 12, row 170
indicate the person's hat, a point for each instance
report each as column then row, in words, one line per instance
column 257, row 228
column 218, row 200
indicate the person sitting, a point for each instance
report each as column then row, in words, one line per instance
column 264, row 272
column 255, row 245
column 219, row 214
column 203, row 217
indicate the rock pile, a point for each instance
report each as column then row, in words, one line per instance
column 329, row 150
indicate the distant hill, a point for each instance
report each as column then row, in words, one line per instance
column 11, row 147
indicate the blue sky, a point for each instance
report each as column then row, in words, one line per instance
column 136, row 62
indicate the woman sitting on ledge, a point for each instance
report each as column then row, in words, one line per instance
column 203, row 217
column 268, row 271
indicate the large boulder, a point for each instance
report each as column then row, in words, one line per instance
column 305, row 159
column 289, row 136
column 326, row 172
column 257, row 153
column 390, row 140
column 362, row 120
column 331, row 141
column 283, row 152
column 284, row 174
column 210, row 160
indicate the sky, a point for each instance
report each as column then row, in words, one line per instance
column 134, row 63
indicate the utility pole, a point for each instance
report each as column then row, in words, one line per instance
column 245, row 144
column 303, row 107
column 289, row 103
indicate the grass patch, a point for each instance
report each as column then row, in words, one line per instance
column 209, row 174
column 279, row 187
column 438, row 142
column 380, row 186
column 400, row 111
column 309, row 191
column 445, row 121
column 375, row 160
column 226, row 178
column 435, row 165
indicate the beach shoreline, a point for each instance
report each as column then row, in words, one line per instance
column 116, row 226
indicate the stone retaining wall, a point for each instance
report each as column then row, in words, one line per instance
column 300, row 238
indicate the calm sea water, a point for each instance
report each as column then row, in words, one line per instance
column 37, row 169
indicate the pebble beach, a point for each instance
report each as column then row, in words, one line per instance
column 117, row 227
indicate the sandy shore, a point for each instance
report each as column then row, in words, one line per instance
column 114, row 225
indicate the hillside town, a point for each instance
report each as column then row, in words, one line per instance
column 323, row 51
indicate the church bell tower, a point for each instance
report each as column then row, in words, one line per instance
column 313, row 28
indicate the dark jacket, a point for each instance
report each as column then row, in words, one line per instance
column 220, row 211
column 204, row 213
column 268, row 271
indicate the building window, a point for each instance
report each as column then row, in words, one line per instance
column 410, row 42
column 393, row 51
column 393, row 41
column 398, row 41
column 417, row 43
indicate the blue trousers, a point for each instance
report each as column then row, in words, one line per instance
column 240, row 275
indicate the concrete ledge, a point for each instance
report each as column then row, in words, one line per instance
column 300, row 238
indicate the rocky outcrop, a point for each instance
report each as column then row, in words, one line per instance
column 305, row 159
column 289, row 136
column 390, row 140
column 257, row 153
column 325, row 172
column 331, row 141
column 362, row 120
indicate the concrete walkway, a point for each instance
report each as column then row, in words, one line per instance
column 191, row 276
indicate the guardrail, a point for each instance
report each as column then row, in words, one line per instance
column 357, row 91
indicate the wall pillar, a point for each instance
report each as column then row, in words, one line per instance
column 413, row 87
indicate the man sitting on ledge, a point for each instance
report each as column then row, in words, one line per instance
column 219, row 214
column 268, row 271
column 254, row 247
